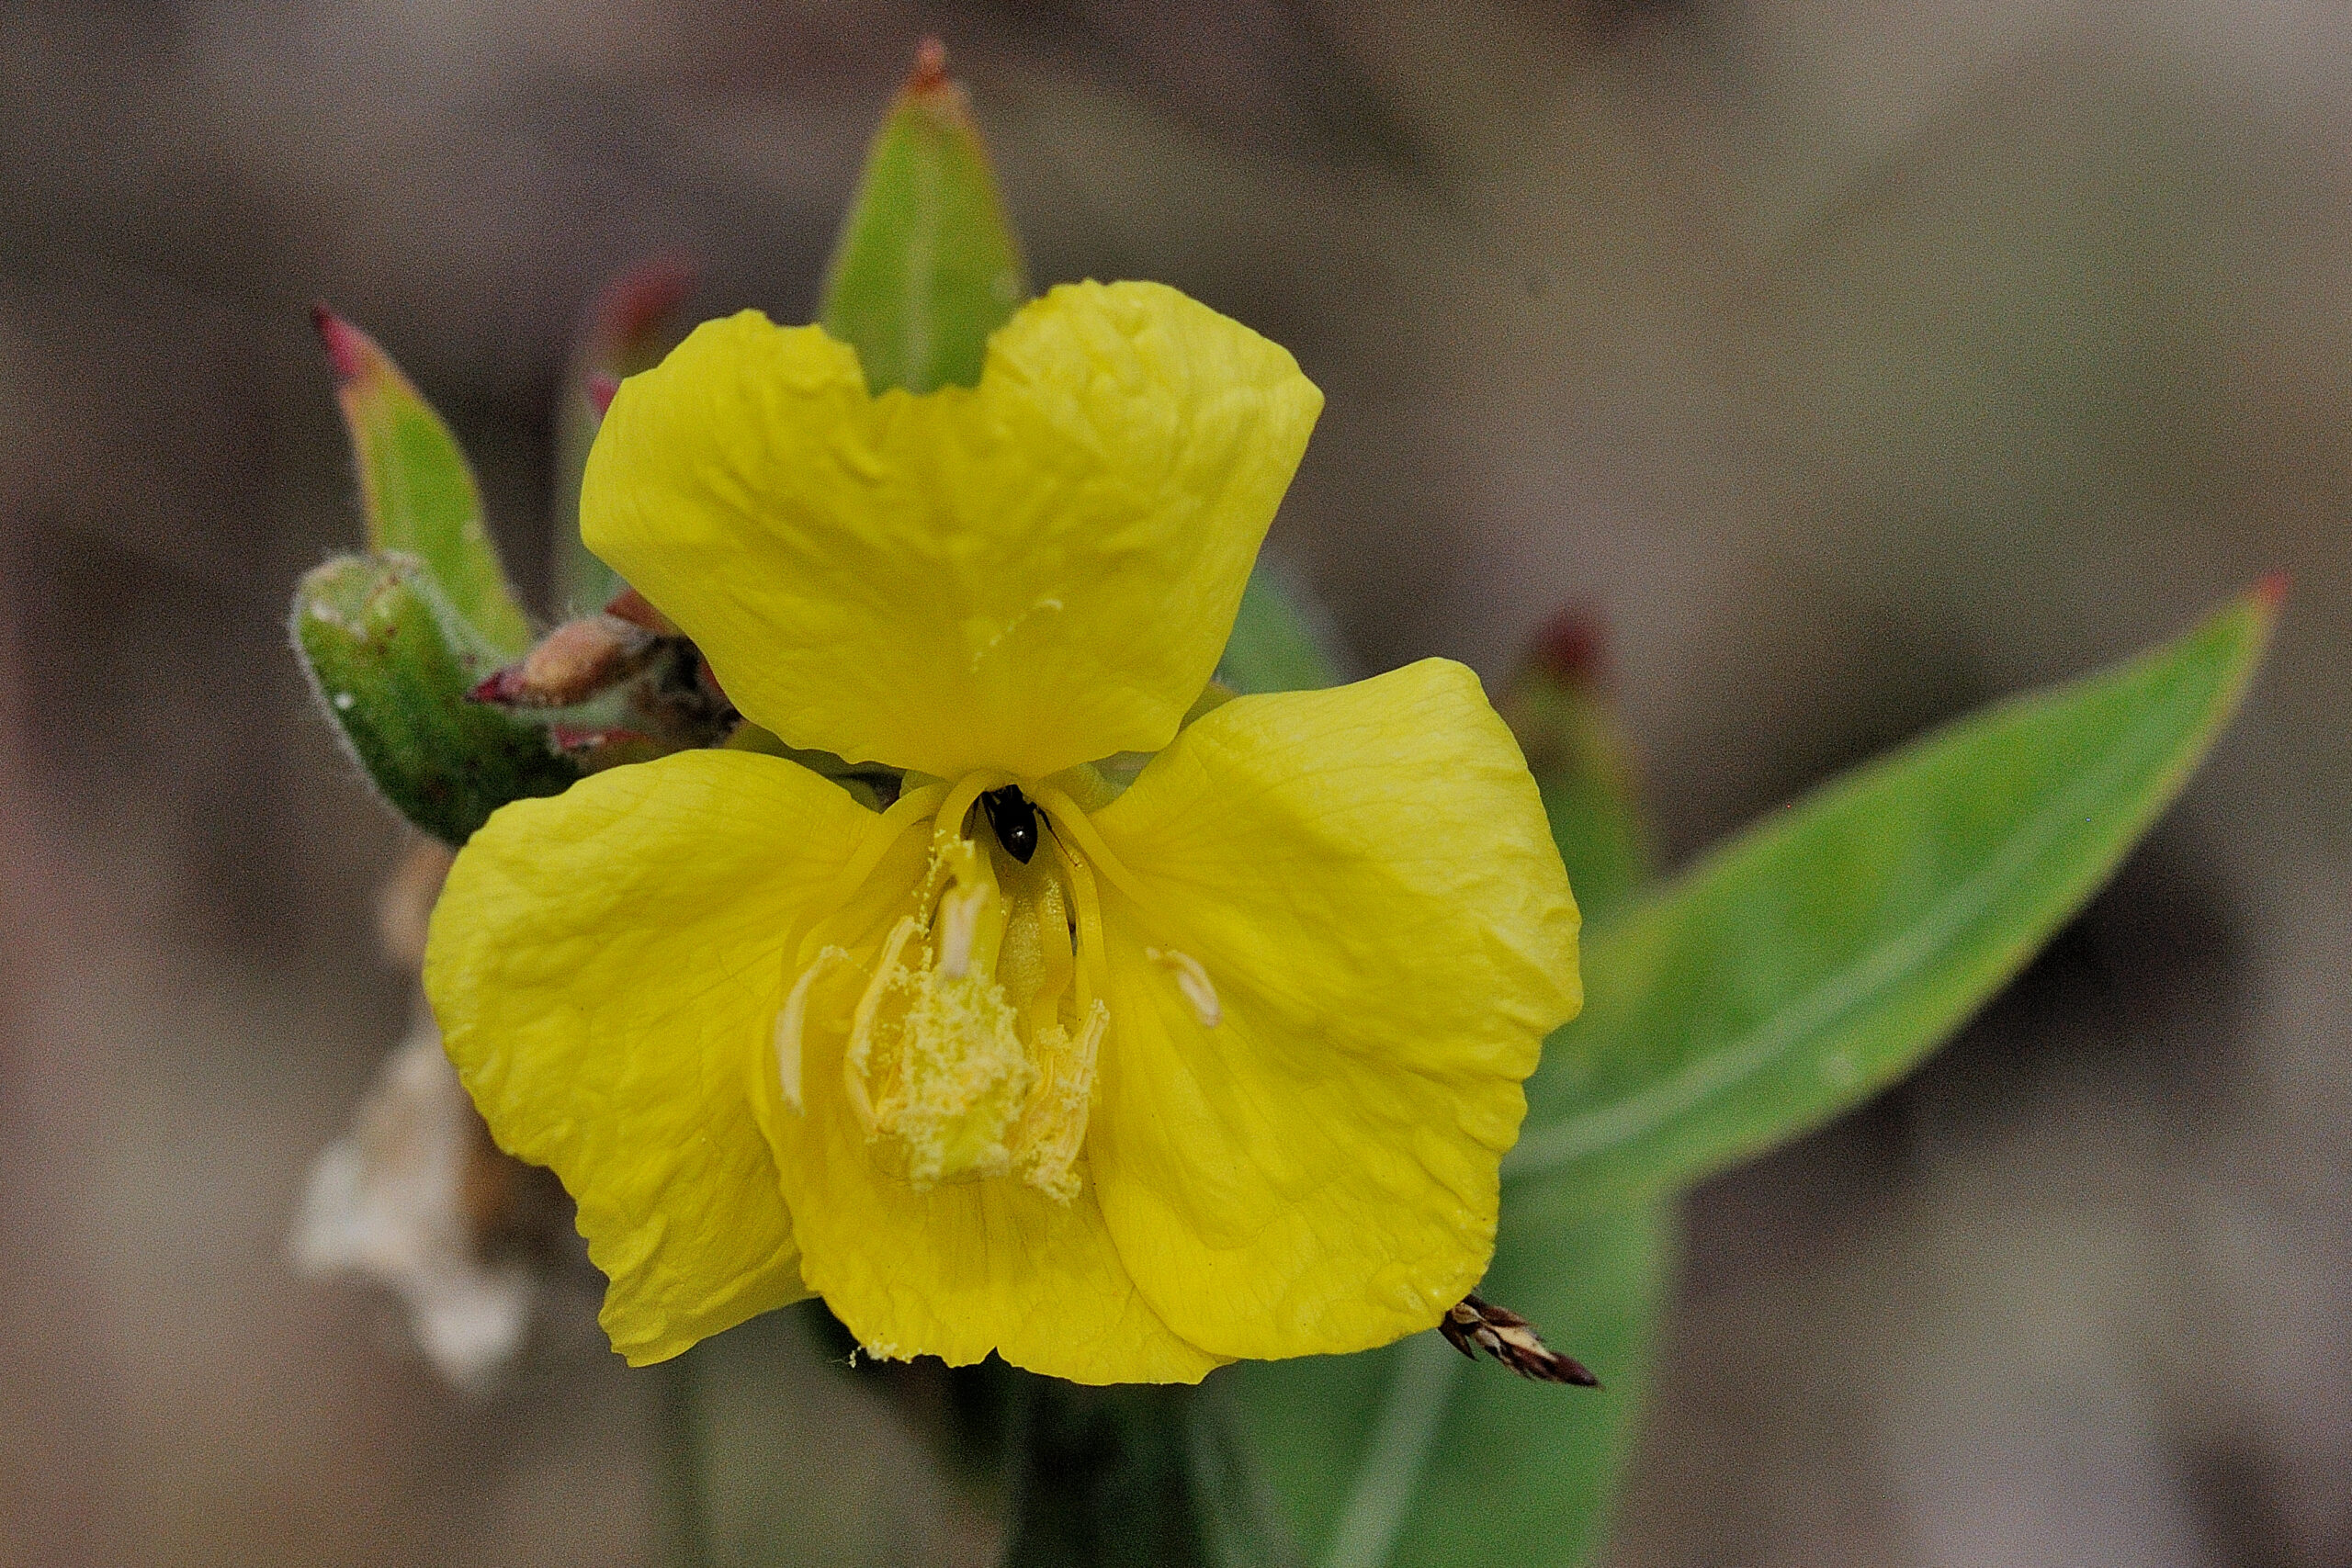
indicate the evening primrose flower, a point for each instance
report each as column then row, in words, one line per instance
column 1118, row 1085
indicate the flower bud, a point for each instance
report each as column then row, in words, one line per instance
column 391, row 663
column 635, row 322
column 1584, row 763
column 578, row 660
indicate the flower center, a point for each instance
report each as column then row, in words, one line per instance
column 972, row 1044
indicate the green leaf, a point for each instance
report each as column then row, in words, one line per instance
column 927, row 265
column 1279, row 643
column 1583, row 763
column 1818, row 956
column 1412, row 1455
column 391, row 661
column 416, row 486
column 635, row 322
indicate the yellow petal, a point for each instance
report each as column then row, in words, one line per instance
column 607, row 965
column 1364, row 881
column 964, row 1268
column 1029, row 574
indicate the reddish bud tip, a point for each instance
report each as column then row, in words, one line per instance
column 348, row 348
column 576, row 738
column 636, row 303
column 602, row 389
column 2272, row 590
column 502, row 688
column 930, row 73
column 571, row 664
column 1573, row 646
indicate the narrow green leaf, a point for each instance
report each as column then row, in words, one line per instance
column 1821, row 955
column 1279, row 643
column 391, row 661
column 416, row 485
column 1412, row 1455
column 927, row 265
column 1583, row 763
column 635, row 323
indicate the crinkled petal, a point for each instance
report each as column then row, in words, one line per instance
column 607, row 965
column 1028, row 574
column 965, row 1267
column 1365, row 877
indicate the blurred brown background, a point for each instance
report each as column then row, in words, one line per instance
column 1860, row 361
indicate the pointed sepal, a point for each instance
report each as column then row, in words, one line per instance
column 416, row 486
column 927, row 265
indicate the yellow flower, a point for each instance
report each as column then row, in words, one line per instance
column 1120, row 1085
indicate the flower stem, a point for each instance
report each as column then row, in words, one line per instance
column 684, row 1516
column 1133, row 1477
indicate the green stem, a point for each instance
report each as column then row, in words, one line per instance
column 1132, row 1477
column 683, row 1507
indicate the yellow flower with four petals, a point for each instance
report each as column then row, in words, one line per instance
column 1118, row 1084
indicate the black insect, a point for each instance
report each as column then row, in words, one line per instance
column 1015, row 819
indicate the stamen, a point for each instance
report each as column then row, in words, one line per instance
column 1035, row 964
column 1090, row 919
column 842, row 895
column 904, row 813
column 789, row 1022
column 969, row 928
column 1192, row 981
column 1053, row 1127
column 955, row 803
column 861, row 1029
column 1080, row 837
column 972, row 1051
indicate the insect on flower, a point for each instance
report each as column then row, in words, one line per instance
column 1117, row 1083
column 1471, row 1325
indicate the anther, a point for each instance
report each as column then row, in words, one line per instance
column 790, row 1022
column 959, row 922
column 1192, row 981
column 1053, row 1127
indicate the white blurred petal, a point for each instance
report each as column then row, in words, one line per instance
column 386, row 1202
